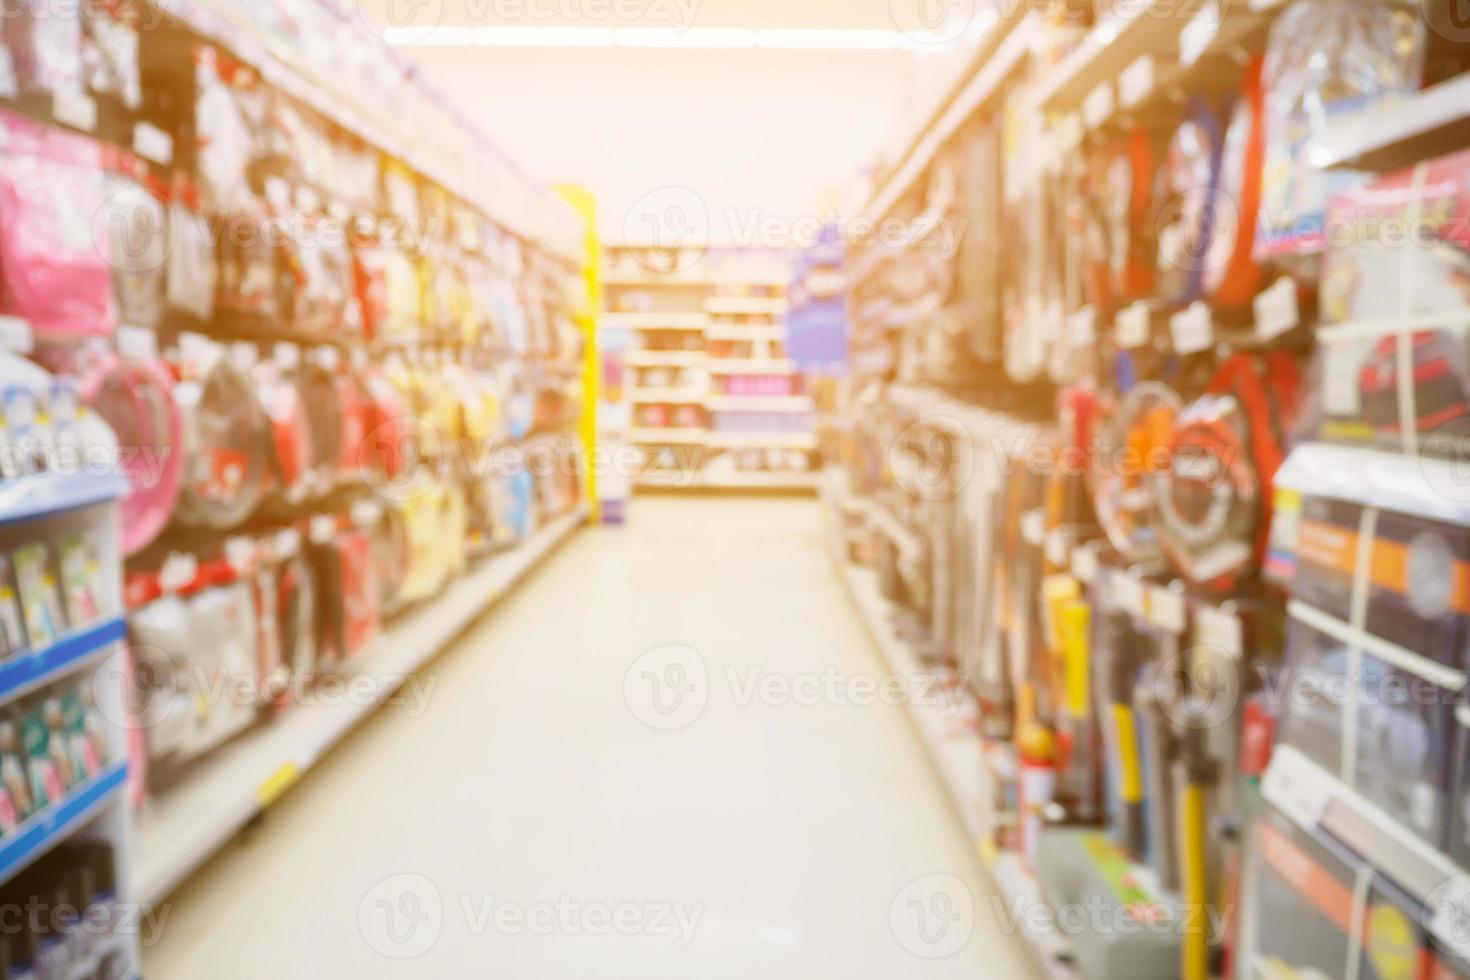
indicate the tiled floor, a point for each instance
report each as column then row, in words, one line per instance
column 663, row 758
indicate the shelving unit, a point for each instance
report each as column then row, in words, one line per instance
column 738, row 373
column 950, row 738
column 179, row 830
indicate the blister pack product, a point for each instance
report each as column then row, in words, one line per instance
column 1232, row 276
column 292, row 453
column 1215, row 498
column 1326, row 60
column 1300, row 909
column 138, row 245
column 226, row 143
column 193, row 268
column 110, row 53
column 1185, row 204
column 227, row 443
column 52, row 271
column 45, row 43
column 1132, row 451
column 136, row 399
column 1417, row 569
column 1400, row 249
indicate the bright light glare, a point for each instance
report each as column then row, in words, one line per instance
column 644, row 37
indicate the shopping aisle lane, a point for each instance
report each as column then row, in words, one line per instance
column 668, row 756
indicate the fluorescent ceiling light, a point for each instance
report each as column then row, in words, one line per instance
column 670, row 37
column 824, row 40
column 649, row 37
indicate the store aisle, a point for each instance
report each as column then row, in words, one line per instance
column 564, row 808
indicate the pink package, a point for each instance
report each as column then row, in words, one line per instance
column 53, row 266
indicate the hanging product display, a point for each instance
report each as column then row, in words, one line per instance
column 1231, row 276
column 1186, row 204
column 52, row 191
column 227, row 447
column 1326, row 59
column 136, row 399
column 1215, row 497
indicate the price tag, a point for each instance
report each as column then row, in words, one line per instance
column 240, row 553
column 1297, row 789
column 1276, row 309
column 366, row 513
column 1084, row 563
column 288, row 356
column 1166, row 609
column 1198, row 33
column 1098, row 106
column 1033, row 528
column 1133, row 328
column 1449, row 908
column 152, row 143
column 1128, row 593
column 244, row 355
column 1082, row 327
column 1341, row 393
column 1214, row 627
column 1193, row 329
column 16, row 335
column 323, row 528
column 288, row 543
column 178, row 573
column 76, row 110
column 327, row 358
column 1069, row 133
column 1058, row 543
column 1136, row 82
column 137, row 343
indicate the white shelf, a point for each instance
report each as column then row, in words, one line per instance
column 748, row 365
column 653, row 280
column 665, row 358
column 751, row 332
column 671, row 437
column 694, row 322
column 763, row 440
column 795, row 482
column 1422, row 126
column 667, row 396
column 760, row 403
column 747, row 306
column 180, row 830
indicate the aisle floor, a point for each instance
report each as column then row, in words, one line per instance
column 659, row 759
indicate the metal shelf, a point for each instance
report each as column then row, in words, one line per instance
column 1427, row 124
column 22, row 674
column 38, row 835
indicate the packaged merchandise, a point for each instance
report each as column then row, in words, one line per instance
column 1215, row 498
column 227, row 444
column 1187, row 187
column 45, row 44
column 81, row 581
column 52, row 272
column 1400, row 248
column 347, row 596
column 1132, row 451
column 1231, row 276
column 1326, row 59
column 136, row 399
column 110, row 54
column 192, row 268
column 12, row 628
column 40, row 597
column 138, row 244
